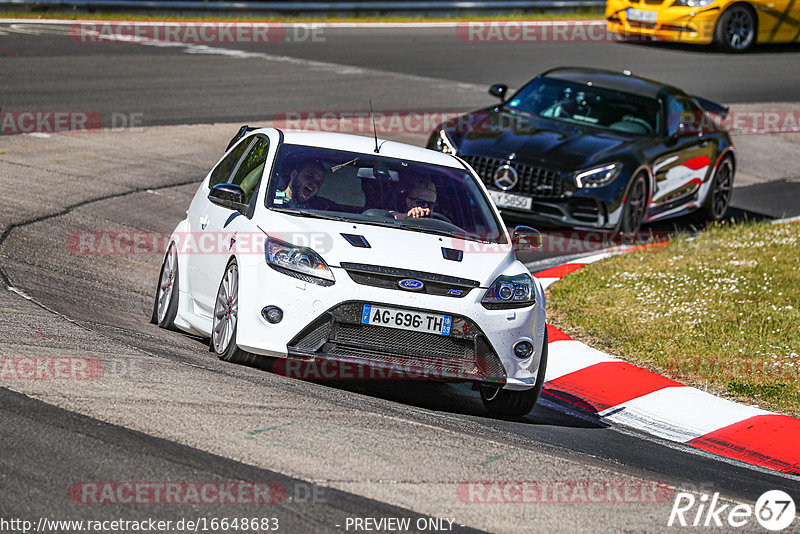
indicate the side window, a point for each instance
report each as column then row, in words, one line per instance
column 250, row 170
column 221, row 173
column 682, row 115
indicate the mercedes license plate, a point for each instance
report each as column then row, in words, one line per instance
column 508, row 200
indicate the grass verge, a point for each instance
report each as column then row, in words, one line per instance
column 719, row 311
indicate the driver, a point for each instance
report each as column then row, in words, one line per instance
column 419, row 199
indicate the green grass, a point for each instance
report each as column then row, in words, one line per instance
column 719, row 311
column 73, row 15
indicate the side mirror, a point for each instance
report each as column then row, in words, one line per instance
column 682, row 131
column 526, row 239
column 499, row 90
column 229, row 196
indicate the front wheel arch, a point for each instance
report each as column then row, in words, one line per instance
column 642, row 172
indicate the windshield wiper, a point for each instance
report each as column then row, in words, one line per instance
column 337, row 167
column 312, row 215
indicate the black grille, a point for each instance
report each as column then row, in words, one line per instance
column 339, row 335
column 534, row 181
column 388, row 278
column 585, row 211
column 396, row 340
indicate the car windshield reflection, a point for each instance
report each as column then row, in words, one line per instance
column 589, row 106
column 374, row 189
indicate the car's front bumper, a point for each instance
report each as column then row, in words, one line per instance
column 676, row 23
column 575, row 212
column 323, row 322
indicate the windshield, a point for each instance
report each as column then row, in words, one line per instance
column 373, row 189
column 587, row 105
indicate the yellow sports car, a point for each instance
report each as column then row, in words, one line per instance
column 733, row 25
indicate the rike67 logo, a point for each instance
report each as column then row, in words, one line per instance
column 774, row 510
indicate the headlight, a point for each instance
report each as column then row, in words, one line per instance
column 300, row 262
column 445, row 144
column 694, row 3
column 597, row 176
column 509, row 292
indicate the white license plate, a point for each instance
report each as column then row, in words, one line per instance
column 507, row 200
column 406, row 320
column 640, row 15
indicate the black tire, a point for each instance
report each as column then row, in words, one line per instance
column 167, row 282
column 227, row 316
column 718, row 198
column 736, row 30
column 506, row 403
column 634, row 207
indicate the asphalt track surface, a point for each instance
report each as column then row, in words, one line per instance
column 167, row 410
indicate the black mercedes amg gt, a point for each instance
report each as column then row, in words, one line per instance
column 590, row 148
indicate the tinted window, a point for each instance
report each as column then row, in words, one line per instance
column 222, row 171
column 588, row 105
column 681, row 111
column 374, row 189
column 249, row 172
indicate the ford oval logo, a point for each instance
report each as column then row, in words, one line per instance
column 410, row 284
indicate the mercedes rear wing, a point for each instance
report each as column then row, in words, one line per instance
column 712, row 107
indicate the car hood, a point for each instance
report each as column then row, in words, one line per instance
column 558, row 144
column 391, row 247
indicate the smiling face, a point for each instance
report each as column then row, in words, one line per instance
column 305, row 182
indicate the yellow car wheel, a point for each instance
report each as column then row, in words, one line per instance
column 736, row 29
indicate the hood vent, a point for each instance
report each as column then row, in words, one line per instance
column 358, row 241
column 452, row 254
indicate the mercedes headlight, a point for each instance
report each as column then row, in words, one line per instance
column 300, row 262
column 694, row 3
column 598, row 176
column 510, row 292
column 445, row 144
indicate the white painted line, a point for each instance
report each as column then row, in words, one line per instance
column 788, row 220
column 595, row 257
column 547, row 282
column 568, row 356
column 679, row 413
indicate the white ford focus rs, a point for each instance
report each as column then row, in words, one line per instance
column 321, row 247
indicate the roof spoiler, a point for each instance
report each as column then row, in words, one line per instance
column 244, row 130
column 712, row 107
